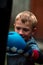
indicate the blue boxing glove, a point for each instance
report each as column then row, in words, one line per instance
column 15, row 43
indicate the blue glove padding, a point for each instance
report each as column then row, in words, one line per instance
column 15, row 42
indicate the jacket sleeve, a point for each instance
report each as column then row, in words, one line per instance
column 37, row 55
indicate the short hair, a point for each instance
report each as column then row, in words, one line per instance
column 27, row 16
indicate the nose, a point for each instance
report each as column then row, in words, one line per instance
column 21, row 32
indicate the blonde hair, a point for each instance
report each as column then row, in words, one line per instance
column 27, row 16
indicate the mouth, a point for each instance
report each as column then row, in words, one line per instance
column 24, row 37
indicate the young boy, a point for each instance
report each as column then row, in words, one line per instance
column 25, row 24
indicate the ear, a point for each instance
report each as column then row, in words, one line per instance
column 34, row 31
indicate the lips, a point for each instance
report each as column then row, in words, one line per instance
column 24, row 37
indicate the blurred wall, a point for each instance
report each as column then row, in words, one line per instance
column 37, row 9
column 18, row 6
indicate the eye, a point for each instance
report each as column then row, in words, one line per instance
column 18, row 28
column 25, row 29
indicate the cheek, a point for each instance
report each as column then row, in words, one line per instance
column 28, row 33
column 27, row 36
column 16, row 30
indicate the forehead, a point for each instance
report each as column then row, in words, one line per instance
column 22, row 24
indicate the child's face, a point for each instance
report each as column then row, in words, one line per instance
column 24, row 29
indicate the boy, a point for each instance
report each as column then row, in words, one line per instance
column 25, row 24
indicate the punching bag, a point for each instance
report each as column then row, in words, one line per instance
column 5, row 14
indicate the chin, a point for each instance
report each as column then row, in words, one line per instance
column 25, row 39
